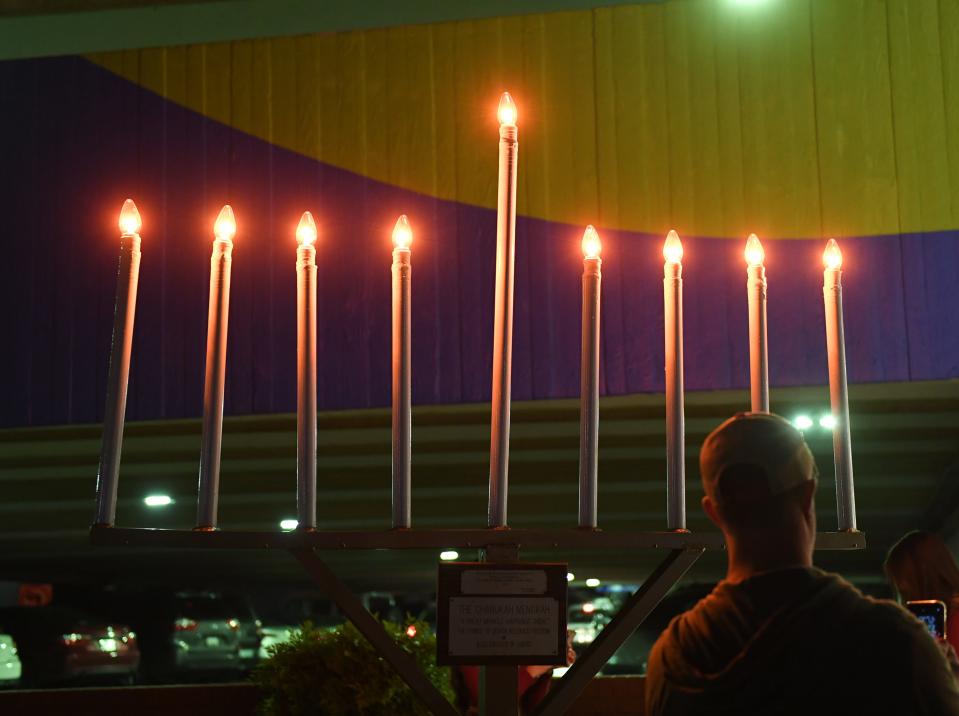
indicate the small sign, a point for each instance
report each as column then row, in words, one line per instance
column 501, row 613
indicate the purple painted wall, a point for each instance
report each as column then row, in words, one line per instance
column 76, row 140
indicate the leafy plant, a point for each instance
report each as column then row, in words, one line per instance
column 337, row 673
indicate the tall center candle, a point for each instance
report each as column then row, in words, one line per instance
column 306, row 373
column 589, row 380
column 121, row 345
column 503, row 313
column 221, row 261
column 758, row 355
column 675, row 420
column 838, row 395
column 402, row 423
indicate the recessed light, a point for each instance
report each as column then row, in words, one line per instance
column 157, row 500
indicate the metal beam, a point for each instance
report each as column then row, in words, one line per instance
column 632, row 614
column 567, row 539
column 369, row 627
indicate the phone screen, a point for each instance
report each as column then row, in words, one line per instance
column 932, row 613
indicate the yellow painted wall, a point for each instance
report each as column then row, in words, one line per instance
column 793, row 118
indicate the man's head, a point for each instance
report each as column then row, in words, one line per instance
column 760, row 482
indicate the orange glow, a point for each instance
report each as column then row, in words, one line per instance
column 755, row 255
column 589, row 608
column 592, row 246
column 225, row 225
column 402, row 233
column 411, row 631
column 306, row 231
column 832, row 256
column 507, row 110
column 673, row 248
column 130, row 223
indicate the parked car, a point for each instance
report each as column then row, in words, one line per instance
column 183, row 635
column 10, row 664
column 58, row 645
column 250, row 631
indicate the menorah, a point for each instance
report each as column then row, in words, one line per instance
column 498, row 541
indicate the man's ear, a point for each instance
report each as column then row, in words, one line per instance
column 808, row 497
column 709, row 507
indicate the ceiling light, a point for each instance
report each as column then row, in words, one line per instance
column 157, row 500
column 827, row 422
column 592, row 582
column 449, row 555
column 289, row 524
column 802, row 422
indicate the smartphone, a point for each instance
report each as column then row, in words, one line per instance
column 932, row 613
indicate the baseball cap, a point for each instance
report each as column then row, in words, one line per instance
column 773, row 452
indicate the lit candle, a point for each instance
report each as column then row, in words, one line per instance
column 756, row 291
column 838, row 398
column 224, row 229
column 402, row 236
column 589, row 379
column 306, row 372
column 114, row 412
column 675, row 426
column 503, row 312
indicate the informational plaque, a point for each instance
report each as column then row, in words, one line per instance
column 501, row 613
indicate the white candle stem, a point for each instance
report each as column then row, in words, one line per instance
column 589, row 394
column 675, row 419
column 839, row 401
column 213, row 385
column 758, row 352
column 306, row 386
column 402, row 423
column 503, row 327
column 121, row 346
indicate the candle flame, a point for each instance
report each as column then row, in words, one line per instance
column 755, row 255
column 306, row 231
column 507, row 110
column 673, row 248
column 402, row 233
column 224, row 228
column 832, row 256
column 130, row 222
column 592, row 246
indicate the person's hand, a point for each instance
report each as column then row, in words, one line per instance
column 538, row 671
column 950, row 653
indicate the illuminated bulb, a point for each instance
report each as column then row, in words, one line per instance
column 803, row 422
column 832, row 256
column 673, row 248
column 289, row 524
column 157, row 500
column 827, row 422
column 592, row 582
column 402, row 233
column 754, row 251
column 570, row 576
column 411, row 631
column 589, row 608
column 130, row 218
column 225, row 225
column 591, row 243
column 306, row 231
column 507, row 110
column 449, row 555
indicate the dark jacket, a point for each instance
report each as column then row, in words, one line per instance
column 797, row 641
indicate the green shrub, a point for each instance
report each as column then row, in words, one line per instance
column 336, row 673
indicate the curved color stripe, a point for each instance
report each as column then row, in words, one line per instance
column 64, row 182
column 794, row 118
